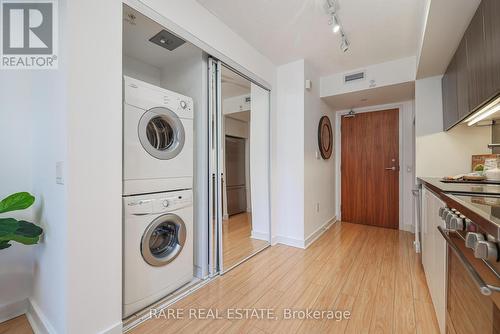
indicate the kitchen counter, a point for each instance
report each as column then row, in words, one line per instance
column 478, row 202
column 460, row 188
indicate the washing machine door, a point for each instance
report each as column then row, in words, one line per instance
column 161, row 133
column 163, row 240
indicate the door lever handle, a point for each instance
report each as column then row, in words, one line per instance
column 390, row 168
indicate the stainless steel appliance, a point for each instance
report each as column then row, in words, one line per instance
column 473, row 267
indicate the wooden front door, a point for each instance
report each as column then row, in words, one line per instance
column 370, row 168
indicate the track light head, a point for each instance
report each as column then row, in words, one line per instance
column 335, row 24
column 344, row 46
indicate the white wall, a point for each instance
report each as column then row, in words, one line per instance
column 384, row 74
column 289, row 156
column 94, row 167
column 16, row 138
column 140, row 70
column 319, row 174
column 33, row 120
column 441, row 153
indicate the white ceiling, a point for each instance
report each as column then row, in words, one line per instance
column 371, row 97
column 288, row 30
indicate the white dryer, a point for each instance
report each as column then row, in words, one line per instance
column 157, row 245
column 157, row 139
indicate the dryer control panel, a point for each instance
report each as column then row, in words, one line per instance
column 145, row 96
column 158, row 203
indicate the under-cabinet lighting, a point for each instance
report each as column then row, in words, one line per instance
column 486, row 111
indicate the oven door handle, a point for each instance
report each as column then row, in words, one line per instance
column 484, row 288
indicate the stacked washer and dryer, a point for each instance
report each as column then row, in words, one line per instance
column 157, row 193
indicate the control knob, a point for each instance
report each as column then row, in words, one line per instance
column 448, row 218
column 472, row 238
column 183, row 104
column 442, row 211
column 457, row 223
column 486, row 250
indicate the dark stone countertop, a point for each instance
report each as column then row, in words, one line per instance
column 478, row 202
column 461, row 188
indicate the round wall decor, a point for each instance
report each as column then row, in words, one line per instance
column 325, row 137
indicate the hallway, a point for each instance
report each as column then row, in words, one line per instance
column 371, row 272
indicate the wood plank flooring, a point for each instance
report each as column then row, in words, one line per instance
column 18, row 325
column 371, row 272
column 237, row 241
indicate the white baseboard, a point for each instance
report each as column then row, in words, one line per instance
column 260, row 235
column 299, row 243
column 279, row 239
column 115, row 329
column 38, row 321
column 12, row 310
column 322, row 229
column 408, row 228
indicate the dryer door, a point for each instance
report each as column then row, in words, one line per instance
column 163, row 240
column 161, row 133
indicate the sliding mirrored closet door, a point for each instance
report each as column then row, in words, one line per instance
column 240, row 166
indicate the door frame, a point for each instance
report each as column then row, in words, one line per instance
column 404, row 107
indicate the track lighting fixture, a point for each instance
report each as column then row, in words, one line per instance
column 335, row 24
column 331, row 10
column 344, row 45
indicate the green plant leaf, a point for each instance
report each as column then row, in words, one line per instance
column 20, row 231
column 4, row 244
column 17, row 201
column 8, row 226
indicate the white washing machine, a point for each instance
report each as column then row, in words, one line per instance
column 157, row 139
column 157, row 246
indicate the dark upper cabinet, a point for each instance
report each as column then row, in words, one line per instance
column 491, row 10
column 461, row 56
column 449, row 87
column 477, row 66
column 473, row 75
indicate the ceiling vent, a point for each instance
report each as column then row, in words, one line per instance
column 167, row 40
column 354, row 77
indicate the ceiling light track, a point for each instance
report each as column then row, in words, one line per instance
column 332, row 11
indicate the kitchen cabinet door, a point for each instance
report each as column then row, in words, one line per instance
column 492, row 36
column 479, row 77
column 434, row 258
column 463, row 108
column 449, row 93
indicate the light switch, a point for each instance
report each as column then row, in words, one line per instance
column 60, row 172
column 308, row 84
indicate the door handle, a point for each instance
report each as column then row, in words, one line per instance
column 484, row 288
column 390, row 168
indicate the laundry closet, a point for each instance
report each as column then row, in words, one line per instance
column 195, row 166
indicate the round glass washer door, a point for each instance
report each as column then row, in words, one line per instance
column 163, row 240
column 161, row 133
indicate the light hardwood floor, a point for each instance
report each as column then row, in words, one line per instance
column 371, row 272
column 236, row 239
column 19, row 325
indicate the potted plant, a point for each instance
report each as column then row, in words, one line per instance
column 12, row 229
